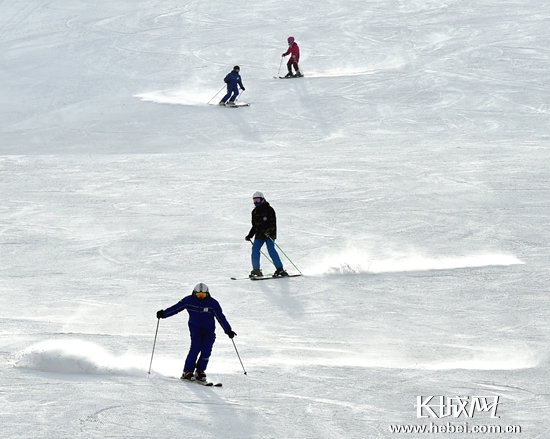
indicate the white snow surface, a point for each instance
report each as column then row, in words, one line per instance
column 409, row 170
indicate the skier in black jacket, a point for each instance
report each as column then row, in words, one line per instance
column 264, row 231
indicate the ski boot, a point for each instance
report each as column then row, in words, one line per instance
column 280, row 272
column 200, row 375
column 188, row 376
column 256, row 273
column 222, row 104
column 298, row 74
column 230, row 104
column 289, row 75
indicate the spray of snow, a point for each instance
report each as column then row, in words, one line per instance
column 178, row 97
column 389, row 63
column 388, row 356
column 358, row 262
column 504, row 357
column 77, row 357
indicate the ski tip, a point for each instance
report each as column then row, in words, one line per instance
column 209, row 384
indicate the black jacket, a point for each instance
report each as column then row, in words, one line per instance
column 264, row 222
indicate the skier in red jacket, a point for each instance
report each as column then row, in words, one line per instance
column 294, row 52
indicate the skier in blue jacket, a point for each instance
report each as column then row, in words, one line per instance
column 233, row 81
column 202, row 309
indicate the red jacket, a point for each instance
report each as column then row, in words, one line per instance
column 294, row 52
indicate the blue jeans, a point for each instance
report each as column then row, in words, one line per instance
column 256, row 248
column 202, row 341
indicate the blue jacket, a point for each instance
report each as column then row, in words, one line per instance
column 232, row 79
column 201, row 313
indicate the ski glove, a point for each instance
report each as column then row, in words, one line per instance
column 248, row 237
column 243, row 89
column 231, row 334
column 160, row 313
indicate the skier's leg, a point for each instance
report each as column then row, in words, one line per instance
column 273, row 253
column 256, row 247
column 208, row 339
column 226, row 97
column 289, row 67
column 194, row 350
column 235, row 92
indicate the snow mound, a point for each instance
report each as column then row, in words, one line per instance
column 353, row 262
column 76, row 357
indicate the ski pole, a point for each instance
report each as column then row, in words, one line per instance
column 215, row 95
column 154, row 343
column 238, row 355
column 282, row 251
column 280, row 65
column 239, row 95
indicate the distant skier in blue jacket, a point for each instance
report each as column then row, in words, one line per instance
column 202, row 309
column 233, row 81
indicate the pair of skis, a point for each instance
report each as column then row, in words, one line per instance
column 288, row 77
column 204, row 383
column 237, row 105
column 265, row 277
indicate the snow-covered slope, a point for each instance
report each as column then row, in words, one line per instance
column 409, row 172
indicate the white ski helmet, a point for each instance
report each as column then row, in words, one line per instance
column 200, row 288
column 258, row 194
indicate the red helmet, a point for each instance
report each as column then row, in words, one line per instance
column 290, row 40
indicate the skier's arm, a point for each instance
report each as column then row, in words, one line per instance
column 220, row 317
column 251, row 233
column 174, row 309
column 296, row 53
column 271, row 224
